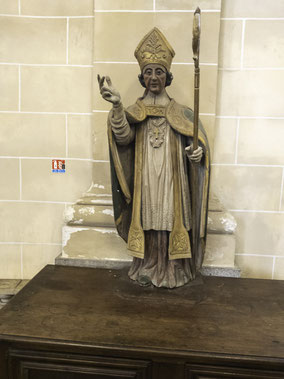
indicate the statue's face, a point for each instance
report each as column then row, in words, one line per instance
column 155, row 78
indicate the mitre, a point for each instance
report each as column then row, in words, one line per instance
column 154, row 48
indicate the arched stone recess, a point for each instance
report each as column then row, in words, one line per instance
column 89, row 236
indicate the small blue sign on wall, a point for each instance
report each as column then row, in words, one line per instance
column 58, row 165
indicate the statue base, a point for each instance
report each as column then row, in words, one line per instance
column 90, row 238
column 101, row 247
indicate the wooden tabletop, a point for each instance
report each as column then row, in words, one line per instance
column 102, row 307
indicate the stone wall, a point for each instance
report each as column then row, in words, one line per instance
column 249, row 156
column 45, row 113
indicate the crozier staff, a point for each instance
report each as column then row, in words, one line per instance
column 150, row 150
column 196, row 30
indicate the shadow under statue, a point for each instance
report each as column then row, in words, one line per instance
column 153, row 165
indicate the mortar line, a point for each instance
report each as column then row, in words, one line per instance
column 259, row 255
column 22, row 262
column 30, row 243
column 19, row 7
column 273, row 267
column 151, row 11
column 67, row 39
column 237, row 140
column 247, row 165
column 255, row 211
column 243, row 43
column 66, row 135
column 251, row 117
column 49, row 113
column 45, row 64
column 252, row 18
column 49, row 17
column 251, row 69
column 49, row 158
column 20, row 178
column 281, row 190
column 19, row 89
column 154, row 5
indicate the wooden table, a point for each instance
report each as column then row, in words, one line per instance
column 83, row 323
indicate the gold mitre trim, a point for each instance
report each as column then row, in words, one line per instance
column 154, row 48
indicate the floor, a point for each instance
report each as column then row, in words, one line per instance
column 9, row 288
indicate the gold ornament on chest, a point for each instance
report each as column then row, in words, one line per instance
column 157, row 131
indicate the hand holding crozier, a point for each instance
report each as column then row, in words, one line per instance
column 196, row 155
column 108, row 92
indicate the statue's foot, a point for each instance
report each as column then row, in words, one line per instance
column 144, row 280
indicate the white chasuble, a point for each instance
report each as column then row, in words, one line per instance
column 157, row 173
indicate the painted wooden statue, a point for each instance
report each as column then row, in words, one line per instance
column 152, row 168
